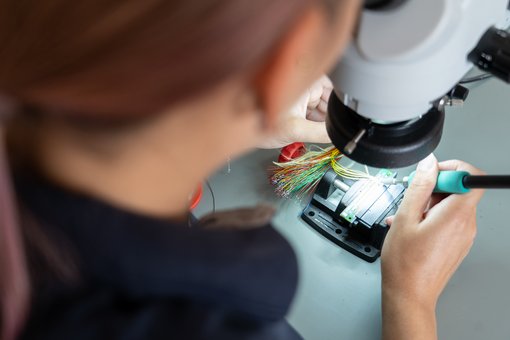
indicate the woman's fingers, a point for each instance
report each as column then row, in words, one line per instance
column 316, row 115
column 319, row 95
column 457, row 165
column 421, row 253
column 389, row 220
column 473, row 196
column 308, row 131
column 304, row 121
column 418, row 195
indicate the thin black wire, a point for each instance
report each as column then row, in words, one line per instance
column 191, row 217
column 475, row 79
column 212, row 195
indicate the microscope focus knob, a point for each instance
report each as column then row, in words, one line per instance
column 492, row 54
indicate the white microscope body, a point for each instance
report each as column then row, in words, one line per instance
column 403, row 67
column 405, row 58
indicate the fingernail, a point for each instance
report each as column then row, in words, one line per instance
column 428, row 163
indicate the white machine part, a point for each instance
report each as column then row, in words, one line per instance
column 406, row 57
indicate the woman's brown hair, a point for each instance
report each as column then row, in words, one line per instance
column 131, row 56
column 114, row 59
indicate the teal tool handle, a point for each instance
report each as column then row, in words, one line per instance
column 448, row 182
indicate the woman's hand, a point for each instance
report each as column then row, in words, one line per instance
column 304, row 122
column 428, row 239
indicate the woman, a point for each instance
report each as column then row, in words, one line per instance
column 115, row 110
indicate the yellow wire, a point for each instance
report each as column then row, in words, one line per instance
column 347, row 173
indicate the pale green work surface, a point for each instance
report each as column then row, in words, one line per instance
column 339, row 294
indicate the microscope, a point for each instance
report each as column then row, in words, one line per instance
column 387, row 110
column 402, row 70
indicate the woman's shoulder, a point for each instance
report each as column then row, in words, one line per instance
column 248, row 270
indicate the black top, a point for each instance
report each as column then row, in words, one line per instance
column 144, row 278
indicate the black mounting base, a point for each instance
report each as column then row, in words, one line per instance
column 354, row 220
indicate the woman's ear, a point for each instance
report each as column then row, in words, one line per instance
column 292, row 67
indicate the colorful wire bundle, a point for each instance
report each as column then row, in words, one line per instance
column 300, row 176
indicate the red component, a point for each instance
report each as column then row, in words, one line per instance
column 197, row 196
column 291, row 151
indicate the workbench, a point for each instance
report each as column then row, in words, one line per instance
column 339, row 294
